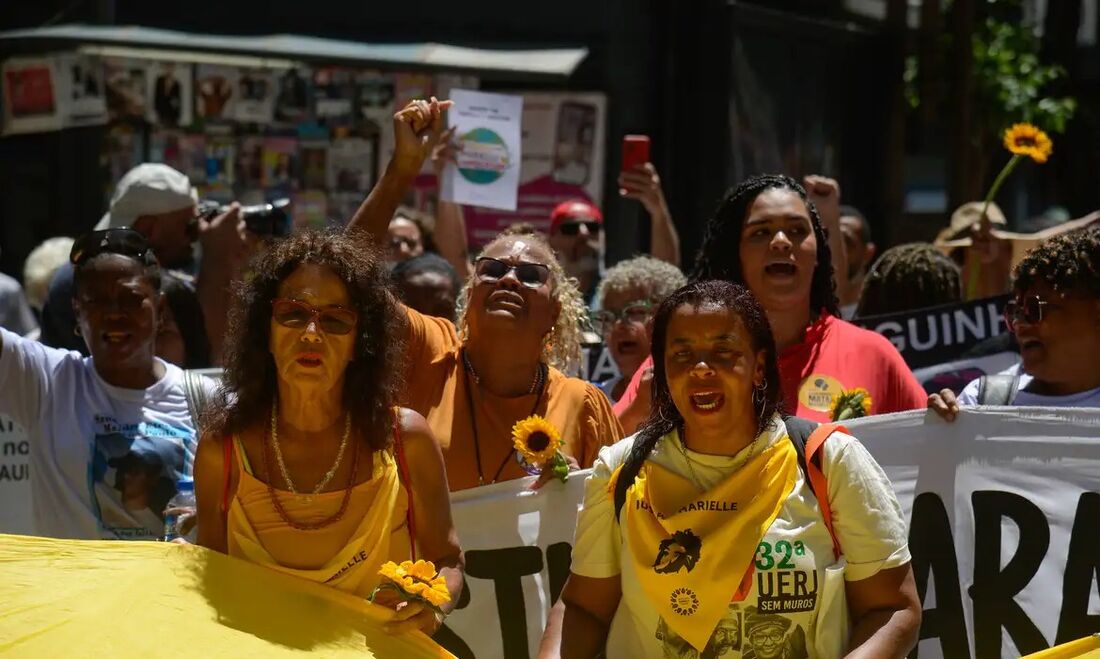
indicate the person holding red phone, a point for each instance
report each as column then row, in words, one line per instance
column 576, row 226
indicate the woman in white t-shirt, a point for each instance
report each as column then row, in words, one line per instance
column 111, row 434
column 1056, row 318
column 700, row 537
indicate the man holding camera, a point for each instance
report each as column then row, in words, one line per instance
column 161, row 204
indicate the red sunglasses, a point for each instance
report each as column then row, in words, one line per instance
column 297, row 315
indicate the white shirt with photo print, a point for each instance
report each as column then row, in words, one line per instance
column 796, row 585
column 104, row 460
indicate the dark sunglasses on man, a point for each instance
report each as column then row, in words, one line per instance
column 1030, row 309
column 573, row 228
column 108, row 241
column 531, row 275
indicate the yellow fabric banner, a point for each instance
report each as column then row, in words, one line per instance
column 691, row 549
column 155, row 599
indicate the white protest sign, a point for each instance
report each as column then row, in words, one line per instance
column 1004, row 506
column 16, row 515
column 487, row 126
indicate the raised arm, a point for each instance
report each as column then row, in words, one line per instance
column 417, row 128
column 643, row 184
column 825, row 193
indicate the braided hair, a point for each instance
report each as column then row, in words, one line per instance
column 664, row 417
column 1068, row 263
column 720, row 256
column 910, row 276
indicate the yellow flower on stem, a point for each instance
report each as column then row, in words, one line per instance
column 851, row 404
column 537, row 440
column 1028, row 140
column 1021, row 140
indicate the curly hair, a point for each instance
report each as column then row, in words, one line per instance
column 563, row 347
column 1069, row 263
column 372, row 378
column 664, row 417
column 907, row 277
column 658, row 277
column 720, row 258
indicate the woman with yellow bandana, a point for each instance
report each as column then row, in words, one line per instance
column 720, row 547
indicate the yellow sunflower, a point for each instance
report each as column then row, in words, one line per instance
column 427, row 584
column 397, row 574
column 851, row 404
column 1028, row 140
column 536, row 439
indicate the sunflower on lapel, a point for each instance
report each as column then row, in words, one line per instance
column 538, row 445
column 851, row 404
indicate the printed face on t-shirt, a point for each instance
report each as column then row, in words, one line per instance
column 1052, row 349
column 711, row 369
column 117, row 310
column 778, row 249
column 308, row 356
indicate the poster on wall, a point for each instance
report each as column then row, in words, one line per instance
column 30, row 95
column 256, row 91
column 292, row 96
column 486, row 170
column 169, row 87
column 126, row 86
column 80, row 90
column 280, row 162
column 334, row 98
column 563, row 158
column 215, row 91
column 350, row 165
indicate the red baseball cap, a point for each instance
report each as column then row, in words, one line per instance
column 574, row 209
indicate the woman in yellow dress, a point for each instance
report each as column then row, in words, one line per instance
column 306, row 465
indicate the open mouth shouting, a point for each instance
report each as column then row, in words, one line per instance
column 116, row 337
column 309, row 359
column 707, row 401
column 781, row 269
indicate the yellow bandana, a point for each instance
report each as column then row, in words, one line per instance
column 691, row 550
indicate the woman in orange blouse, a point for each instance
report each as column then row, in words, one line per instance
column 518, row 329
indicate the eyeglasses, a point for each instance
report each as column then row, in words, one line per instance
column 573, row 228
column 531, row 275
column 635, row 312
column 759, row 638
column 297, row 315
column 1028, row 309
column 108, row 241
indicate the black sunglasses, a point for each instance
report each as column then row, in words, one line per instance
column 573, row 228
column 531, row 275
column 108, row 241
column 1029, row 309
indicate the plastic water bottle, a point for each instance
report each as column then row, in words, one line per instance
column 181, row 505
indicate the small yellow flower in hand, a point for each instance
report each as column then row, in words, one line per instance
column 418, row 581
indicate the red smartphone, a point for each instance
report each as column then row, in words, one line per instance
column 635, row 151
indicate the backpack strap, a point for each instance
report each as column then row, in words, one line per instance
column 403, row 472
column 998, row 389
column 815, row 474
column 195, row 393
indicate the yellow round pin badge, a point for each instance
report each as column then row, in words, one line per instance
column 818, row 391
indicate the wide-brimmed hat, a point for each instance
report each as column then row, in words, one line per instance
column 957, row 234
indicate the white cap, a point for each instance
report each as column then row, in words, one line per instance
column 148, row 189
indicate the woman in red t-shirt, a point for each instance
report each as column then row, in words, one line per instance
column 783, row 256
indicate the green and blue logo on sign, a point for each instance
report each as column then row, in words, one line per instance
column 484, row 157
